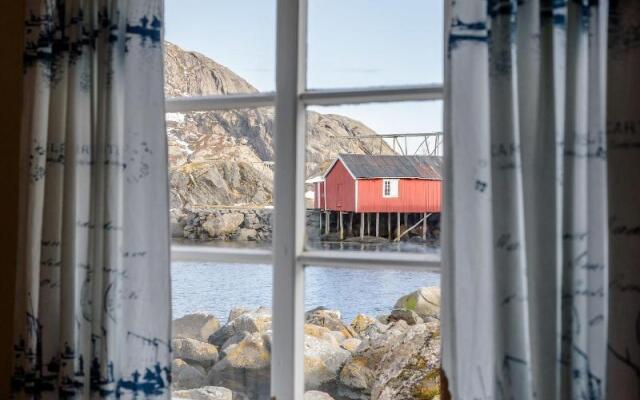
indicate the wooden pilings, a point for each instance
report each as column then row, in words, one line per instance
column 342, row 225
column 327, row 225
column 424, row 227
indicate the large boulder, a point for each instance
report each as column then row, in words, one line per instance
column 413, row 370
column 356, row 378
column 323, row 357
column 254, row 321
column 185, row 376
column 223, row 225
column 197, row 326
column 351, row 345
column 245, row 366
column 194, row 351
column 362, row 322
column 204, row 393
column 409, row 316
column 236, row 312
column 246, row 235
column 316, row 395
column 401, row 362
column 330, row 319
column 424, row 301
column 177, row 223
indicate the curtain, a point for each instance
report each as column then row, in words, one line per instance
column 93, row 316
column 525, row 255
column 623, row 139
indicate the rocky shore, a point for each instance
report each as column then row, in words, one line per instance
column 388, row 357
column 235, row 224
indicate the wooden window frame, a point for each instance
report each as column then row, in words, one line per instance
column 394, row 190
column 288, row 255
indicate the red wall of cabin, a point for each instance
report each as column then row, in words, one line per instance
column 340, row 189
column 414, row 195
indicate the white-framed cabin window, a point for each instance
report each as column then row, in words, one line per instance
column 299, row 100
column 390, row 188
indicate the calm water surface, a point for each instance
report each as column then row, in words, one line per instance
column 217, row 288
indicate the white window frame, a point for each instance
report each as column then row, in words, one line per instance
column 393, row 188
column 288, row 255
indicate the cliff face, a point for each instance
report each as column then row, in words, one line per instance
column 225, row 157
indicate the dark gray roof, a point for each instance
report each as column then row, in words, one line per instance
column 393, row 166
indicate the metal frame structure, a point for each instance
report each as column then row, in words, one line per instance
column 288, row 255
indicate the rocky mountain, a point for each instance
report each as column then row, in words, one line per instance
column 225, row 158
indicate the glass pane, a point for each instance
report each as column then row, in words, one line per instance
column 219, row 47
column 372, row 334
column 221, row 176
column 221, row 330
column 351, row 151
column 355, row 43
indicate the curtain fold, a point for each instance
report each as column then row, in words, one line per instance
column 525, row 242
column 93, row 295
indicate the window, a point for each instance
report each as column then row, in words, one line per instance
column 313, row 84
column 390, row 188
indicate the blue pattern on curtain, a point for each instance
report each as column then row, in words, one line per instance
column 93, row 298
column 525, row 258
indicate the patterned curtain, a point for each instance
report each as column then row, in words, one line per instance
column 93, row 312
column 526, row 226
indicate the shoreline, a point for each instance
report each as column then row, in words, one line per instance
column 231, row 360
column 254, row 225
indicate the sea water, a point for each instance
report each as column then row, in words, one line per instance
column 217, row 288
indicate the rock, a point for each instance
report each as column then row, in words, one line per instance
column 194, row 351
column 236, row 312
column 205, row 393
column 339, row 336
column 177, row 222
column 378, row 329
column 351, row 345
column 235, row 339
column 329, row 319
column 409, row 316
column 401, row 362
column 413, row 370
column 185, row 376
column 317, row 373
column 223, row 225
column 316, row 395
column 323, row 356
column 424, row 301
column 251, row 221
column 361, row 322
column 254, row 321
column 245, row 367
column 246, row 234
column 336, row 314
column 356, row 378
column 197, row 326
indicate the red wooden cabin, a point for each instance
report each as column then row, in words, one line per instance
column 384, row 183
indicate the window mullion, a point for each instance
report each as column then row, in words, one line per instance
column 287, row 367
column 386, row 94
column 221, row 102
